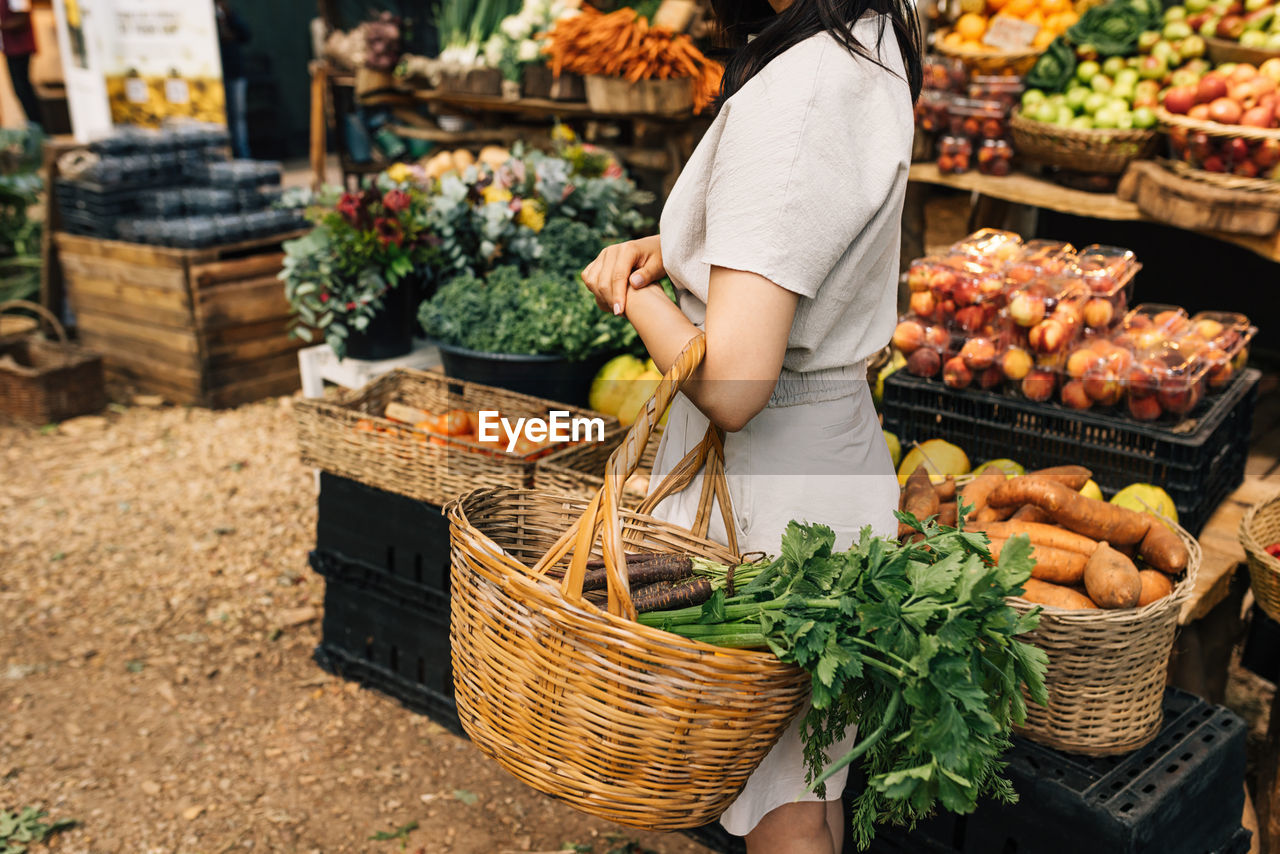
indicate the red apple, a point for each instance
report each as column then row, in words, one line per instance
column 1267, row 153
column 908, row 337
column 1242, row 72
column 1225, row 111
column 1180, row 99
column 1236, row 150
column 1144, row 408
column 1245, row 169
column 924, row 362
column 1073, row 395
column 1199, row 112
column 1211, row 87
column 1038, row 385
column 978, row 353
column 956, row 374
column 1214, row 163
column 1258, row 117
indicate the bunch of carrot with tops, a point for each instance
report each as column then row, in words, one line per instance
column 624, row 44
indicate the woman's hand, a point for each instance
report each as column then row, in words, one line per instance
column 636, row 263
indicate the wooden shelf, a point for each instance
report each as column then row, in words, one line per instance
column 1025, row 189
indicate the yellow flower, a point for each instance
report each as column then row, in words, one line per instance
column 400, row 173
column 495, row 192
column 563, row 133
column 532, row 216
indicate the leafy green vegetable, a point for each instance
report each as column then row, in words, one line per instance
column 19, row 829
column 1113, row 28
column 1055, row 68
column 915, row 641
column 510, row 313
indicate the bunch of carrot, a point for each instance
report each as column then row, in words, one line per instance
column 624, row 44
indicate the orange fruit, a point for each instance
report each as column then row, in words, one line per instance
column 996, row 5
column 971, row 27
column 1019, row 8
column 953, row 40
column 1043, row 39
column 1069, row 19
column 1035, row 16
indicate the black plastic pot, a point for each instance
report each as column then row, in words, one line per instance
column 390, row 331
column 549, row 377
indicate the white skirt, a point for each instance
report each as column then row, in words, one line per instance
column 812, row 462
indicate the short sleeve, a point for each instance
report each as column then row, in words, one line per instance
column 807, row 157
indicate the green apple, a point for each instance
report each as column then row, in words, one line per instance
column 1209, row 28
column 1192, row 47
column 1147, row 93
column 1166, row 51
column 1081, row 123
column 1065, row 115
column 1100, row 83
column 1032, row 97
column 1144, row 118
column 1154, row 67
column 1175, row 13
column 1076, row 96
column 1113, row 66
column 1147, row 39
column 1124, row 120
column 1194, row 6
column 1255, row 5
column 1119, row 105
column 1175, row 30
column 1273, row 42
column 1124, row 92
column 1094, row 102
column 1057, row 99
column 1043, row 112
column 1105, row 118
column 1127, row 77
column 1087, row 70
column 1254, row 39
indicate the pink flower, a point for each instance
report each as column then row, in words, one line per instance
column 388, row 231
column 351, row 306
column 613, row 170
column 515, row 204
column 396, row 201
column 324, row 298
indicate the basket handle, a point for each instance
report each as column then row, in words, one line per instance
column 43, row 312
column 601, row 516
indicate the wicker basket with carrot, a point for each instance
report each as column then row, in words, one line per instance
column 631, row 66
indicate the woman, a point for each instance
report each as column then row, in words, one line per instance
column 782, row 238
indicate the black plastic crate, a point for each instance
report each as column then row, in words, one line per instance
column 401, row 543
column 390, row 645
column 1198, row 463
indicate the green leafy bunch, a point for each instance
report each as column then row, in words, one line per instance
column 914, row 643
column 364, row 244
column 510, row 312
column 1112, row 29
column 20, row 829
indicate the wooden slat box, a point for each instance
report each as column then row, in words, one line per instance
column 198, row 326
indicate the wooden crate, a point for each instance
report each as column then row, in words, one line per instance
column 198, row 326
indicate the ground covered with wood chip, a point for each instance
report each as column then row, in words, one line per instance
column 157, row 619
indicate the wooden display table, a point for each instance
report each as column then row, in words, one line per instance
column 197, row 326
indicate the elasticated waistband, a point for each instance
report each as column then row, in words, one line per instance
column 794, row 388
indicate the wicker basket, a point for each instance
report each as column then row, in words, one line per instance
column 1259, row 528
column 1222, row 51
column 579, row 471
column 46, row 381
column 350, row 437
column 1095, row 151
column 629, row 723
column 1107, row 671
column 1013, row 63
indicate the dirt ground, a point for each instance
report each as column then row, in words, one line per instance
column 157, row 619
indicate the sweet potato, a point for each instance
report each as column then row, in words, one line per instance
column 948, row 513
column 1163, row 549
column 1095, row 519
column 1074, row 477
column 976, row 491
column 1040, row 535
column 919, row 498
column 1056, row 565
column 1056, row 596
column 946, row 490
column 1111, row 578
column 1030, row 513
column 992, row 514
column 1155, row 585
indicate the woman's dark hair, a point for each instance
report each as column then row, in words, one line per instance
column 775, row 32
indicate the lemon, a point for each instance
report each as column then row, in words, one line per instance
column 895, row 447
column 939, row 457
column 1145, row 497
column 1009, row 467
column 612, row 383
column 1091, row 490
column 638, row 392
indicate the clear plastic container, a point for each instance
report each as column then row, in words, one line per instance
column 1180, row 382
column 955, row 290
column 1146, row 327
column 991, row 246
column 1220, row 341
column 162, row 202
column 1040, row 261
column 979, row 119
column 996, row 87
column 1095, row 372
column 933, row 111
column 209, row 200
column 231, row 228
column 926, row 345
column 945, row 74
column 995, row 157
column 955, row 155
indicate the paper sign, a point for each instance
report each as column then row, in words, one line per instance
column 1008, row 33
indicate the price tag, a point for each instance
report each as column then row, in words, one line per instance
column 176, row 90
column 1008, row 33
column 135, row 90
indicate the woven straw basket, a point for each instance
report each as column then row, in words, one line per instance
column 1259, row 528
column 1107, row 670
column 1013, row 63
column 578, row 471
column 622, row 721
column 43, row 381
column 1103, row 151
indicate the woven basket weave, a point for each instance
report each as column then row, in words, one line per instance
column 1103, row 151
column 579, row 471
column 1173, row 120
column 403, row 460
column 622, row 721
column 41, row 381
column 1107, row 670
column 1259, row 528
column 1013, row 63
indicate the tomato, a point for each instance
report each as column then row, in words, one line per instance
column 456, row 422
column 526, row 448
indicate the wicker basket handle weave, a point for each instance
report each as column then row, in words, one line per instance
column 44, row 313
column 601, row 516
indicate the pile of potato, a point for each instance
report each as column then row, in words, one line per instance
column 1089, row 554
